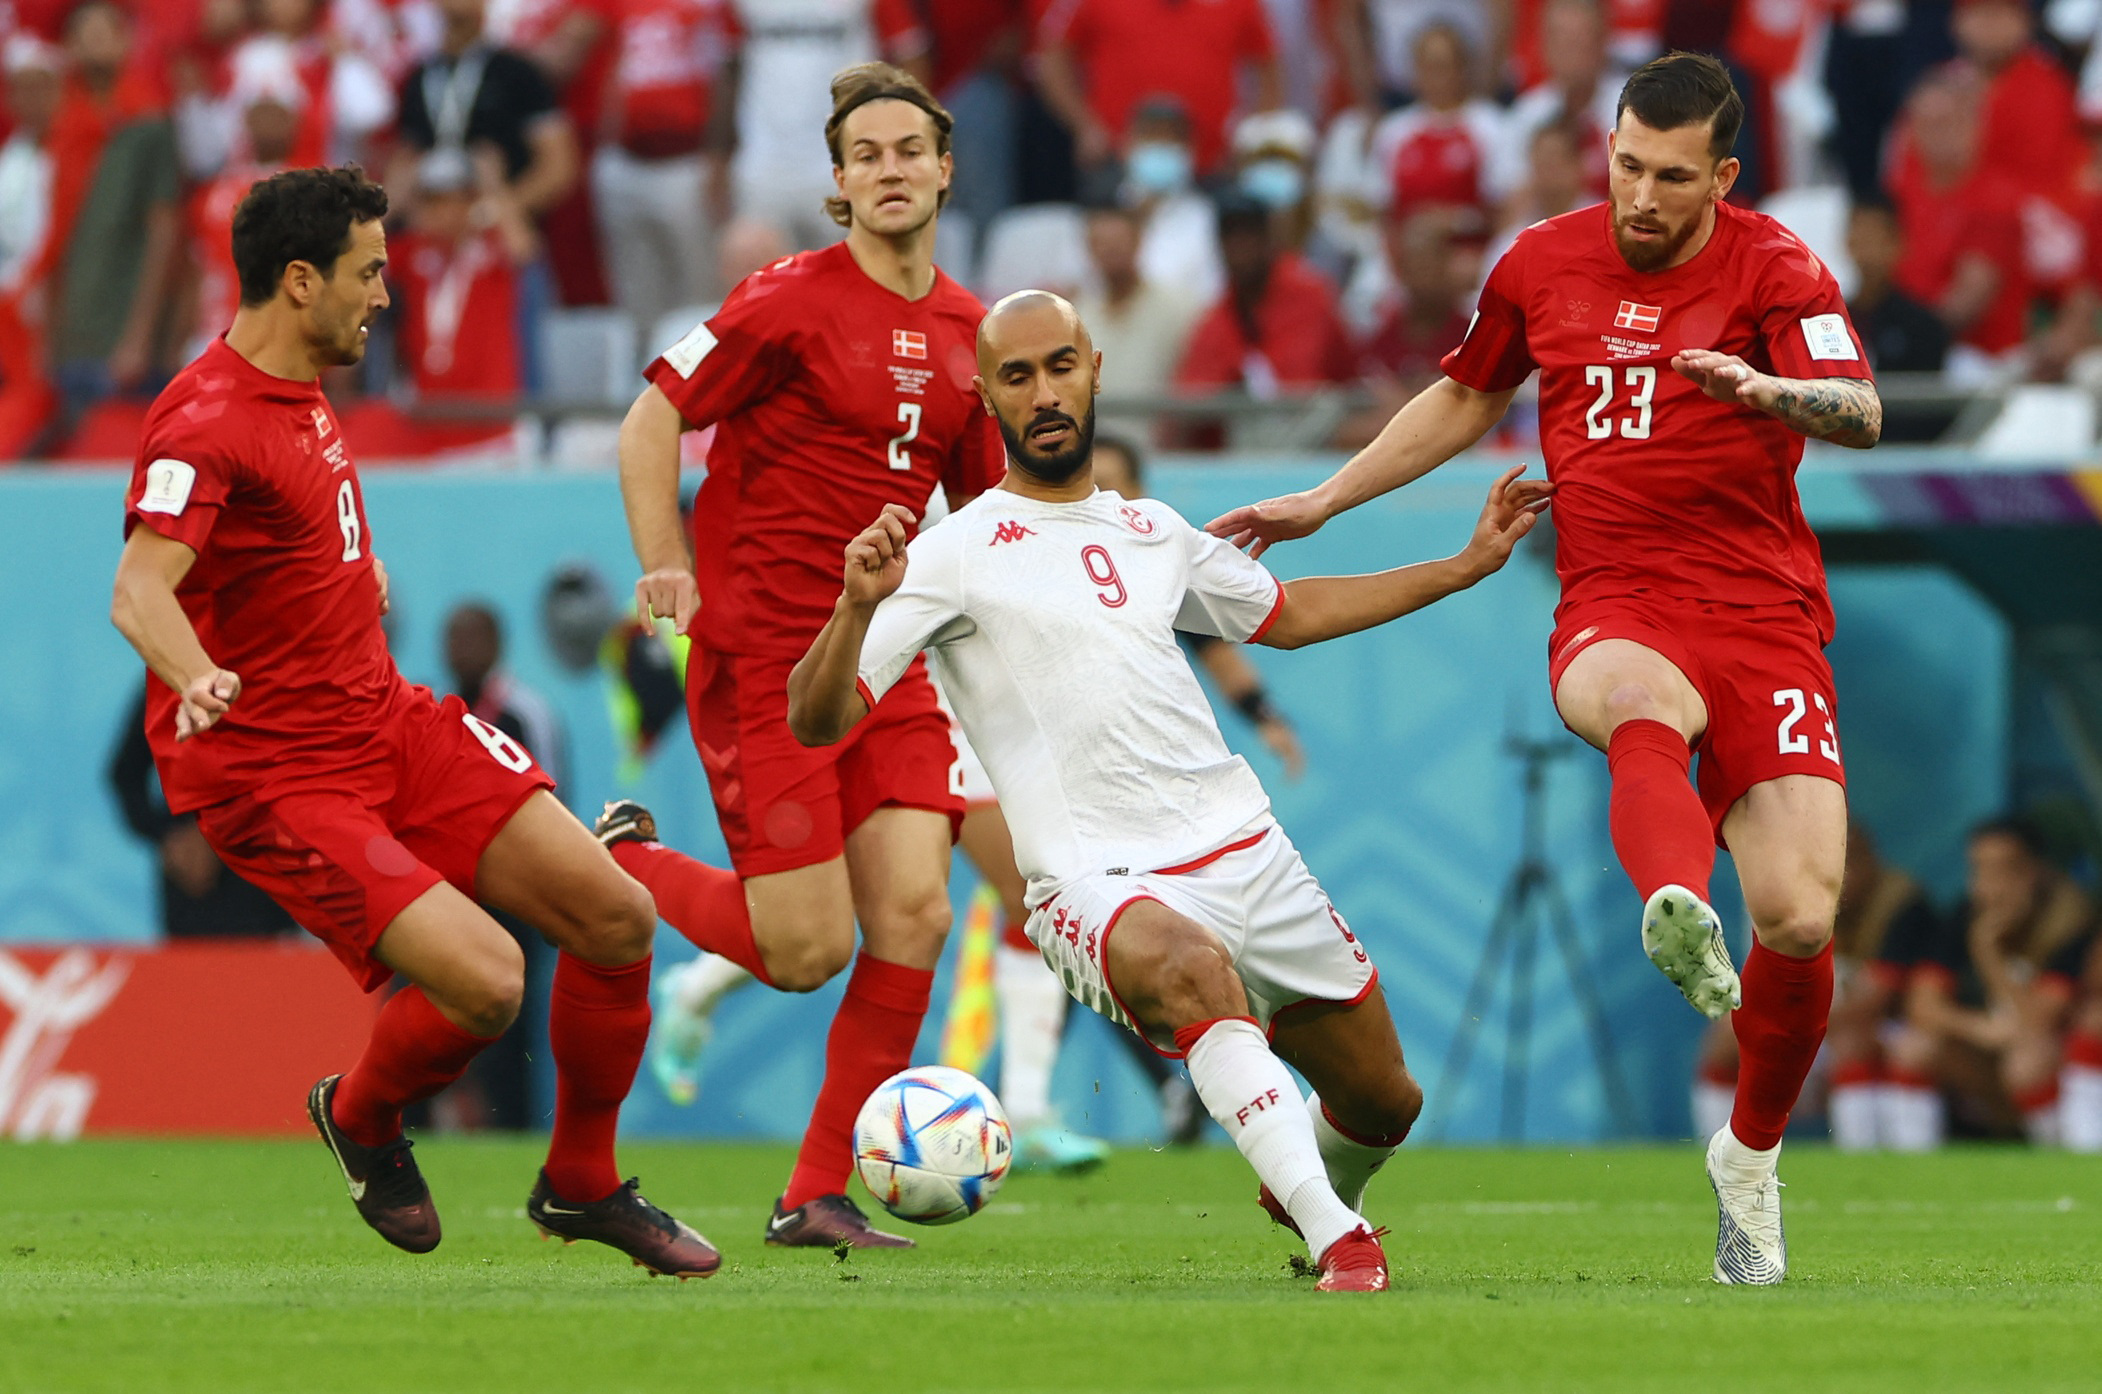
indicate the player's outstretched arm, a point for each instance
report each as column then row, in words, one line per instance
column 649, row 490
column 1844, row 411
column 1436, row 424
column 145, row 611
column 824, row 700
column 1323, row 607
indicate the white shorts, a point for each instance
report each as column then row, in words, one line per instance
column 1286, row 941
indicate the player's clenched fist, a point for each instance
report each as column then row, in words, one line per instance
column 669, row 593
column 1514, row 506
column 205, row 700
column 876, row 558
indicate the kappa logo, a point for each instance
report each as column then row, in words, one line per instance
column 1010, row 532
column 1136, row 520
column 1639, row 317
column 908, row 343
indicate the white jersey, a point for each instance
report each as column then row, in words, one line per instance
column 1052, row 627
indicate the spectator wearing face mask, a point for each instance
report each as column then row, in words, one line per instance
column 1179, row 246
column 1273, row 154
column 1139, row 326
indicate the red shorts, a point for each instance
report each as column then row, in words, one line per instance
column 1761, row 670
column 785, row 805
column 346, row 850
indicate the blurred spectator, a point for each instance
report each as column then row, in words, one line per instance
column 1875, row 50
column 200, row 898
column 1179, row 246
column 347, row 97
column 2030, row 120
column 1424, row 319
column 572, row 43
column 1376, row 43
column 1102, row 59
column 658, row 181
column 1900, row 334
column 472, row 91
column 781, row 75
column 1582, row 83
column 1273, row 156
column 969, row 52
column 2080, row 1080
column 269, row 102
column 26, row 176
column 115, row 223
column 1885, row 928
column 1634, row 35
column 1986, row 1019
column 457, row 266
column 1554, row 184
column 1139, row 326
column 1961, row 230
column 1445, row 151
column 746, row 245
column 1276, row 327
column 200, row 72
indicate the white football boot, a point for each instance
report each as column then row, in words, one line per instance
column 1750, row 1245
column 1683, row 937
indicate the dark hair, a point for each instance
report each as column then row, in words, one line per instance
column 854, row 88
column 300, row 215
column 1873, row 201
column 1131, row 455
column 1685, row 89
column 2025, row 834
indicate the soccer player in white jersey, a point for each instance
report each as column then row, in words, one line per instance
column 1161, row 890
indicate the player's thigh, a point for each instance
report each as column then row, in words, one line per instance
column 989, row 844
column 1613, row 680
column 1788, row 837
column 803, row 923
column 546, row 868
column 1166, row 970
column 466, row 963
column 898, row 868
column 1351, row 1055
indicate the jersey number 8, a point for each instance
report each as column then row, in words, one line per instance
column 347, row 519
column 1642, row 385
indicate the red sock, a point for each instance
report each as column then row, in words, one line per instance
column 1779, row 1028
column 1660, row 830
column 2084, row 1050
column 705, row 903
column 1014, row 938
column 871, row 1040
column 598, row 1022
column 414, row 1052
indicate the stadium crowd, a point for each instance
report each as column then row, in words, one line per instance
column 1249, row 195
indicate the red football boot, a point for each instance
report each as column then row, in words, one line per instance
column 1354, row 1263
column 1275, row 1209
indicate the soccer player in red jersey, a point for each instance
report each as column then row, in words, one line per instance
column 381, row 818
column 838, row 381
column 1685, row 347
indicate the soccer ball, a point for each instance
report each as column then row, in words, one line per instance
column 932, row 1144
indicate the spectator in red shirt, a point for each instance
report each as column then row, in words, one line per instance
column 2031, row 119
column 1422, row 319
column 657, row 176
column 1446, row 149
column 1961, row 225
column 1582, row 83
column 270, row 104
column 1276, row 328
column 1101, row 58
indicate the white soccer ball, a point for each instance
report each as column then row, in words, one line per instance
column 933, row 1145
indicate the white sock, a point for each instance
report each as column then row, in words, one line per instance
column 1032, row 1016
column 2080, row 1107
column 1744, row 1162
column 1911, row 1118
column 1856, row 1111
column 704, row 983
column 1712, row 1103
column 1349, row 1163
column 1251, row 1094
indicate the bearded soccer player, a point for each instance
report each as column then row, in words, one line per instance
column 1685, row 347
column 838, row 381
column 380, row 818
column 1161, row 890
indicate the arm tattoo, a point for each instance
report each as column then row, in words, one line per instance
column 1845, row 411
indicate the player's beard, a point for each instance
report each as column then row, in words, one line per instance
column 1058, row 468
column 1651, row 256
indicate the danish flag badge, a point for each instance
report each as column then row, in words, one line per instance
column 1642, row 317
column 908, row 343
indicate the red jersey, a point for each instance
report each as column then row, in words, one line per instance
column 1663, row 489
column 447, row 289
column 251, row 472
column 668, row 56
column 831, row 396
column 1301, row 339
column 1980, row 216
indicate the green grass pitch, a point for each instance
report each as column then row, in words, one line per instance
column 161, row 1266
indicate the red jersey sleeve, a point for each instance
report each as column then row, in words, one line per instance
column 1255, row 41
column 179, row 483
column 733, row 360
column 1494, row 357
column 1803, row 319
column 977, row 461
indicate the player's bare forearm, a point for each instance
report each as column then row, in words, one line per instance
column 1436, row 424
column 824, row 702
column 1844, row 411
column 649, row 480
column 145, row 611
column 1328, row 607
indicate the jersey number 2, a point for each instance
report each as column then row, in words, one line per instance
column 900, row 457
column 347, row 519
column 1642, row 385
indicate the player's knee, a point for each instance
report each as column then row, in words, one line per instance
column 911, row 927
column 1797, row 933
column 1195, row 981
column 619, row 927
column 1382, row 1110
column 488, row 1004
column 1634, row 701
column 809, row 965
